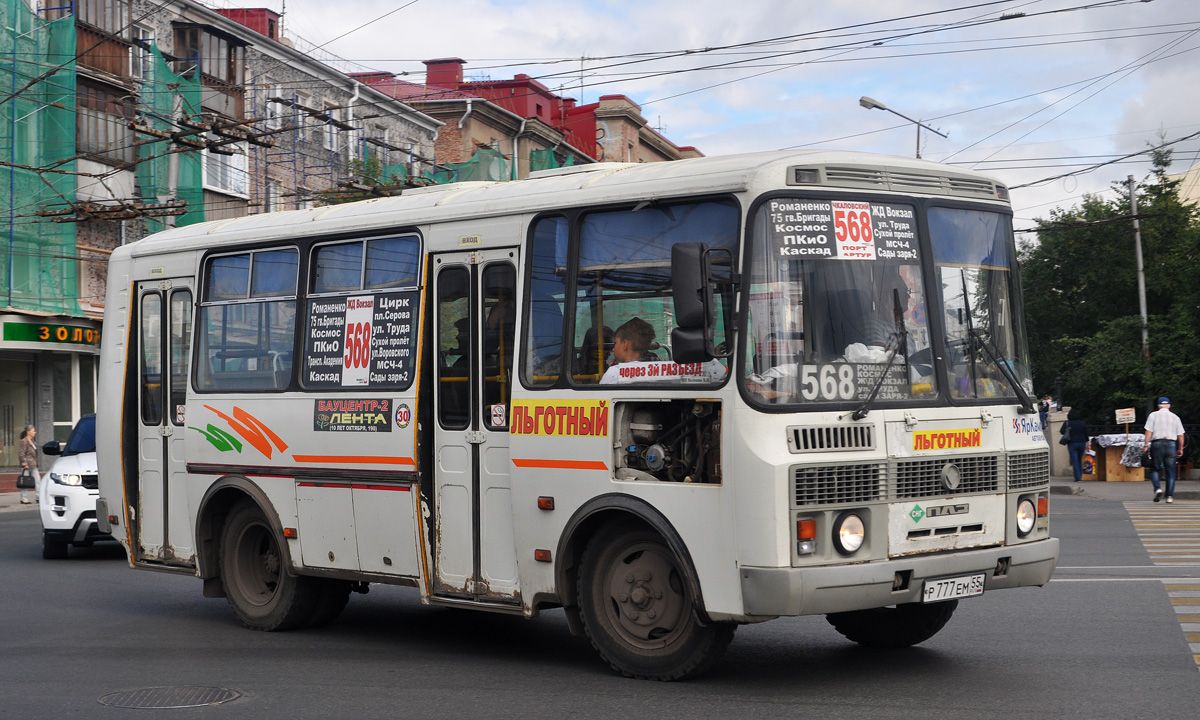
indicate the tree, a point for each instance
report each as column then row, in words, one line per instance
column 1081, row 305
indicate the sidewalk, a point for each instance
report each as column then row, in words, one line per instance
column 1121, row 491
column 10, row 499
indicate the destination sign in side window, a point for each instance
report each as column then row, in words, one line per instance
column 361, row 341
column 842, row 229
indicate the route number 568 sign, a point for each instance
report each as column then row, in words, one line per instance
column 852, row 230
column 827, row 382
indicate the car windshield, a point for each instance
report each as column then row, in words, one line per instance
column 83, row 437
column 985, row 341
column 837, row 303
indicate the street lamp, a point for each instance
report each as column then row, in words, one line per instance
column 873, row 104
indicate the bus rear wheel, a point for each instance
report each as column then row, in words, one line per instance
column 638, row 610
column 262, row 593
column 893, row 627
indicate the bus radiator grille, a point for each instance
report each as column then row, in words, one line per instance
column 1028, row 470
column 830, row 438
column 924, row 478
column 837, row 484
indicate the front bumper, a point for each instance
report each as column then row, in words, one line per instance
column 771, row 592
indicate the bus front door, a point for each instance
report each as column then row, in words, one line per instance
column 474, row 360
column 161, row 521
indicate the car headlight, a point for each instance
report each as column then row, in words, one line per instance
column 66, row 479
column 849, row 532
column 1026, row 516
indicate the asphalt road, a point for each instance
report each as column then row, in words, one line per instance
column 1101, row 641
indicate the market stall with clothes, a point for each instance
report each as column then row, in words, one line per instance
column 1119, row 457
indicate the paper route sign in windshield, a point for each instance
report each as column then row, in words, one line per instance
column 842, row 229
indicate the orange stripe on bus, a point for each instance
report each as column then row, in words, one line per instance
column 355, row 459
column 560, row 464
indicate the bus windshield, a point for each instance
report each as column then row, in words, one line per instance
column 985, row 340
column 837, row 303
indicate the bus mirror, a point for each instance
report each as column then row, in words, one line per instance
column 689, row 346
column 690, row 287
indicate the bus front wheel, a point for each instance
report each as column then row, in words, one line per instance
column 638, row 610
column 893, row 627
column 262, row 593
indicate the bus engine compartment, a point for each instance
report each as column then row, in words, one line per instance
column 668, row 441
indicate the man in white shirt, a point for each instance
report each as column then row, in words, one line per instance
column 1164, row 438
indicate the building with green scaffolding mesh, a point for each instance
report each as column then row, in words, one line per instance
column 122, row 118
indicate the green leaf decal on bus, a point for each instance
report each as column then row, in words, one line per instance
column 220, row 439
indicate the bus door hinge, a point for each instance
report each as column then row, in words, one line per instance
column 910, row 421
column 985, row 417
column 476, row 257
column 476, row 437
column 166, row 431
column 164, row 285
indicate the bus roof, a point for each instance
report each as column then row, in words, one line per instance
column 593, row 184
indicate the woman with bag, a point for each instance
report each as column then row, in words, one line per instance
column 1075, row 437
column 27, row 453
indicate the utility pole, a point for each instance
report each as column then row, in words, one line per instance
column 1141, row 272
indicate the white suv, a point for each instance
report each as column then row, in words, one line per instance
column 67, row 498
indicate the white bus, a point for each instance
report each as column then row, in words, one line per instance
column 668, row 398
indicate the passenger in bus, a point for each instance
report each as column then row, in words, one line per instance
column 593, row 353
column 631, row 343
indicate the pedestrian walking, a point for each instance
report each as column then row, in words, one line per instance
column 1075, row 430
column 1164, row 437
column 1043, row 410
column 27, row 454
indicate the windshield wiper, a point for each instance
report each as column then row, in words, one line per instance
column 976, row 336
column 1022, row 396
column 900, row 337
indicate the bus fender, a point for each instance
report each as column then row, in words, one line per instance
column 589, row 518
column 214, row 506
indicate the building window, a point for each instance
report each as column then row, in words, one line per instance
column 140, row 56
column 273, row 110
column 111, row 16
column 218, row 57
column 274, row 196
column 329, row 140
column 103, row 119
column 227, row 173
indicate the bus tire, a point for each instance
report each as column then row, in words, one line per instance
column 332, row 596
column 893, row 627
column 258, row 587
column 638, row 611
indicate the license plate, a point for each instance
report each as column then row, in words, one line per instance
column 952, row 588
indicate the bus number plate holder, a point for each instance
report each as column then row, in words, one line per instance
column 952, row 588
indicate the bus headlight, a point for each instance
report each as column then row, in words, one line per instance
column 1026, row 516
column 64, row 479
column 849, row 532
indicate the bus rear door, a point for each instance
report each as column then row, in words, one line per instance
column 473, row 343
column 162, row 522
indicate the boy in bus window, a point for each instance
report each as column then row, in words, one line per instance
column 631, row 343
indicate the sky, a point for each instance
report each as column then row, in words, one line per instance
column 1026, row 90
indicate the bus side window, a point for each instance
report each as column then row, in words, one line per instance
column 499, row 313
column 454, row 350
column 248, row 321
column 624, row 308
column 543, row 358
column 152, row 364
